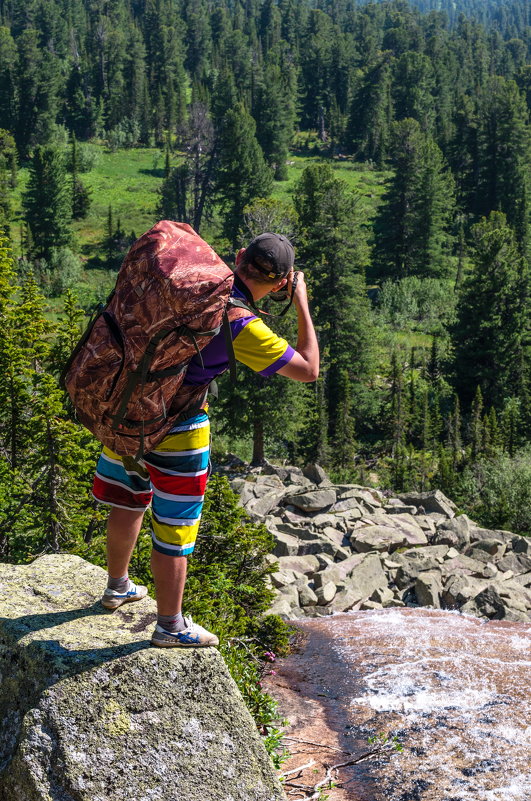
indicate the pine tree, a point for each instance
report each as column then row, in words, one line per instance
column 47, row 201
column 333, row 248
column 274, row 113
column 511, row 425
column 312, row 436
column 316, row 71
column 454, row 434
column 490, row 337
column 242, row 173
column 412, row 226
column 344, row 450
column 5, row 196
column 397, row 417
column 369, row 127
column 476, row 426
column 413, row 87
column 37, row 83
column 8, row 79
column 504, row 156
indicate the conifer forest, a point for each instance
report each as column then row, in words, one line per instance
column 389, row 140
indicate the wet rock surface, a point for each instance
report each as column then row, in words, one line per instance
column 411, row 550
column 452, row 688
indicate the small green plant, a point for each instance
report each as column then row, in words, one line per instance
column 383, row 739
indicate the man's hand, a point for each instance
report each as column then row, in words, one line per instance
column 301, row 291
column 304, row 364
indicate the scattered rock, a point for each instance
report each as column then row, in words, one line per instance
column 428, row 589
column 400, row 509
column 367, row 577
column 412, row 563
column 313, row 501
column 285, row 544
column 371, row 605
column 326, row 593
column 316, row 475
column 433, row 501
column 307, row 597
column 455, row 532
column 283, row 578
column 300, row 564
column 517, row 562
column 348, row 542
column 262, row 506
column 521, row 545
column 382, row 595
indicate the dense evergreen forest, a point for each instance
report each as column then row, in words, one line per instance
column 420, row 288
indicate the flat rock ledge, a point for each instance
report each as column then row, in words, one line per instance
column 346, row 547
column 91, row 712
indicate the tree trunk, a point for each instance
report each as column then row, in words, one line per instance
column 258, row 441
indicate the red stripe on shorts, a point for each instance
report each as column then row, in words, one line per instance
column 113, row 493
column 182, row 485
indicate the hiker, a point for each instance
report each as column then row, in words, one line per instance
column 173, row 475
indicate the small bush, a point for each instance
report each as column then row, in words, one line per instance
column 88, row 157
column 61, row 272
column 426, row 304
column 125, row 134
column 497, row 492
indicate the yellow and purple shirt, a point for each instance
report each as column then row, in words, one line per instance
column 255, row 345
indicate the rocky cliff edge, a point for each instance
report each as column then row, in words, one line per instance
column 91, row 712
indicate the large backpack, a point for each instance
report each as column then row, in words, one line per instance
column 125, row 375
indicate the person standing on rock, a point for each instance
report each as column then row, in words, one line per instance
column 173, row 476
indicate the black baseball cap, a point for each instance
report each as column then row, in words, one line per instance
column 271, row 254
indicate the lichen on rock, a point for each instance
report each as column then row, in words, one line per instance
column 91, row 713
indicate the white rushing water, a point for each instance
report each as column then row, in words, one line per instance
column 456, row 691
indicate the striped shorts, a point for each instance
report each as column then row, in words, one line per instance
column 175, row 483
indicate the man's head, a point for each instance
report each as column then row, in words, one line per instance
column 266, row 261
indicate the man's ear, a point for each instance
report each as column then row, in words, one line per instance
column 280, row 285
column 239, row 256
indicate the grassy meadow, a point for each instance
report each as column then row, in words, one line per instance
column 128, row 180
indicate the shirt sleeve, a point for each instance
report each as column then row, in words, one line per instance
column 259, row 348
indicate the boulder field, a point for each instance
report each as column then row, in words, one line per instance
column 342, row 547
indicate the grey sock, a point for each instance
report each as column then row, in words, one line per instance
column 118, row 584
column 171, row 623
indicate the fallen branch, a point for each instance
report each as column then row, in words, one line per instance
column 320, row 745
column 309, row 764
column 315, row 790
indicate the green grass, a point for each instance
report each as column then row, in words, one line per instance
column 128, row 180
column 369, row 183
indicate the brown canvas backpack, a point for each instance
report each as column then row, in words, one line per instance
column 125, row 375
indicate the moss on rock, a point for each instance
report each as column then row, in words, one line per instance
column 92, row 713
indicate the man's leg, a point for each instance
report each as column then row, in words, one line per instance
column 169, row 574
column 123, row 528
column 178, row 469
column 128, row 492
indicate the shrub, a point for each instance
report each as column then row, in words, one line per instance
column 497, row 492
column 426, row 304
column 61, row 272
column 88, row 157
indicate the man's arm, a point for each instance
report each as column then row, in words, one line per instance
column 304, row 364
